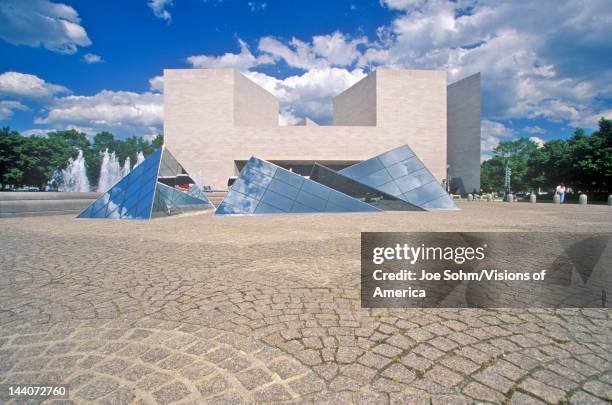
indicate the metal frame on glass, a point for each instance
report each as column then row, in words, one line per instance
column 265, row 188
column 400, row 173
column 138, row 194
column 360, row 191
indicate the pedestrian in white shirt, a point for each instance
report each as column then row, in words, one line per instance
column 561, row 192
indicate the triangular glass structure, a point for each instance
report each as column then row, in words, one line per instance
column 157, row 185
column 400, row 173
column 265, row 188
column 360, row 191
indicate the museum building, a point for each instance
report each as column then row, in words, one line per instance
column 223, row 129
column 216, row 119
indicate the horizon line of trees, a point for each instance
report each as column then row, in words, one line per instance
column 582, row 162
column 31, row 161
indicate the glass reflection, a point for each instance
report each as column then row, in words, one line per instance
column 159, row 184
column 357, row 190
column 264, row 188
column 401, row 173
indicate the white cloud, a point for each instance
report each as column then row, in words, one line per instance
column 36, row 132
column 120, row 112
column 55, row 26
column 28, row 86
column 159, row 9
column 592, row 121
column 537, row 140
column 92, row 58
column 490, row 134
column 402, row 4
column 8, row 107
column 286, row 118
column 156, row 84
column 241, row 61
column 534, row 129
column 310, row 94
column 336, row 49
column 531, row 54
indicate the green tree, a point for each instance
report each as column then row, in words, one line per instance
column 590, row 159
column 519, row 154
column 492, row 174
column 41, row 157
column 583, row 162
column 11, row 168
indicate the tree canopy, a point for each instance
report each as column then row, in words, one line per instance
column 583, row 162
column 32, row 160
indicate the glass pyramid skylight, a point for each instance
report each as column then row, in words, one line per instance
column 362, row 192
column 158, row 185
column 264, row 188
column 400, row 173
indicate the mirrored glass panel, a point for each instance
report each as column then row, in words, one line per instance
column 143, row 191
column 131, row 197
column 264, row 188
column 400, row 173
column 359, row 191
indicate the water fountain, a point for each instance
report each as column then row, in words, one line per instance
column 126, row 167
column 139, row 159
column 110, row 171
column 74, row 177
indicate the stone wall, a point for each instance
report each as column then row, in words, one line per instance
column 208, row 129
column 463, row 134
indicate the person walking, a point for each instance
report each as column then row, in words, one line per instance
column 561, row 192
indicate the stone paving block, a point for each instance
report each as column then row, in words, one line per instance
column 98, row 388
column 541, row 390
column 482, row 393
column 369, row 398
column 344, row 383
column 416, row 362
column 136, row 372
column 309, row 357
column 399, row 373
column 584, row 398
column 122, row 396
column 374, row 360
column 358, row 372
column 155, row 355
column 598, row 389
column 172, row 392
column 274, row 392
column 153, row 380
column 253, row 378
column 449, row 400
column 519, row 398
column 428, row 351
column 494, row 380
column 307, row 384
column 196, row 371
column 286, row 368
column 554, row 380
column 460, row 364
column 115, row 366
column 213, row 385
column 408, row 398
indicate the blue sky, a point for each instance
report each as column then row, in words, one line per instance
column 96, row 66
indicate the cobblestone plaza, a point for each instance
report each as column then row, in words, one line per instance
column 199, row 308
